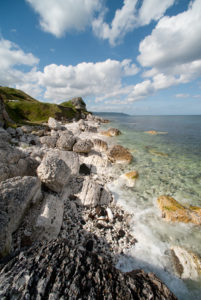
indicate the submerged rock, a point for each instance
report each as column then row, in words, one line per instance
column 130, row 178
column 16, row 195
column 175, row 212
column 111, row 132
column 119, row 154
column 58, row 271
column 186, row 263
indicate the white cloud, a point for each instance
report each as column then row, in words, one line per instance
column 11, row 56
column 153, row 10
column 172, row 53
column 182, row 95
column 60, row 16
column 129, row 17
column 86, row 79
column 175, row 41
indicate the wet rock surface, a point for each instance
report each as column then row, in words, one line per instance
column 58, row 271
column 176, row 212
column 119, row 154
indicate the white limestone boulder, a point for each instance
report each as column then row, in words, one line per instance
column 16, row 195
column 53, row 172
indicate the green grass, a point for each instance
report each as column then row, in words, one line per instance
column 25, row 109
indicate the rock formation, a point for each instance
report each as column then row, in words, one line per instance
column 175, row 212
column 119, row 154
column 58, row 271
column 111, row 132
column 16, row 195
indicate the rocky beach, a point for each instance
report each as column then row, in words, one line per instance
column 62, row 231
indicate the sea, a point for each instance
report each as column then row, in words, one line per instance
column 168, row 163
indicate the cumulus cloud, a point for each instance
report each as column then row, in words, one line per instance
column 60, row 16
column 129, row 17
column 171, row 55
column 174, row 42
column 87, row 79
column 11, row 57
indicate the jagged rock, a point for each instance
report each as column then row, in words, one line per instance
column 100, row 145
column 83, row 146
column 19, row 131
column 53, row 172
column 4, row 136
column 119, row 154
column 69, row 157
column 175, row 212
column 53, row 124
column 93, row 194
column 78, row 102
column 11, row 131
column 49, row 141
column 95, row 162
column 16, row 195
column 111, row 132
column 186, row 263
column 50, row 219
column 66, row 141
column 58, row 271
column 74, row 128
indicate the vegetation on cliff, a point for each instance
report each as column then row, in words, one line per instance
column 24, row 109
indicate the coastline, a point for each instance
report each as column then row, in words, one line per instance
column 82, row 210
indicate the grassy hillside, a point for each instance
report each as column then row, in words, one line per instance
column 23, row 109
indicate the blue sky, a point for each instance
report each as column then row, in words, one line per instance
column 139, row 57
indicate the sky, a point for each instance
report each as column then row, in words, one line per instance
column 141, row 57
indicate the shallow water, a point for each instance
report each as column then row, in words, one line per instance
column 168, row 164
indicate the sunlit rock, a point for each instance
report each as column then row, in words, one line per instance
column 176, row 212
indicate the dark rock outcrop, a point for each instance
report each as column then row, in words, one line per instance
column 58, row 271
column 79, row 103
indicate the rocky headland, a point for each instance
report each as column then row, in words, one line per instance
column 61, row 231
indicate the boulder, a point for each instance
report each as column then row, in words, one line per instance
column 58, row 270
column 70, row 158
column 49, row 221
column 100, row 145
column 119, row 154
column 176, row 212
column 187, row 264
column 49, row 141
column 93, row 194
column 130, row 178
column 79, row 103
column 53, row 172
column 11, row 131
column 4, row 136
column 16, row 195
column 111, row 132
column 83, row 146
column 53, row 124
column 66, row 141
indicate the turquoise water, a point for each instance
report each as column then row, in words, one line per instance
column 168, row 164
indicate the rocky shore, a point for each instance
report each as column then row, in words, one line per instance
column 61, row 232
